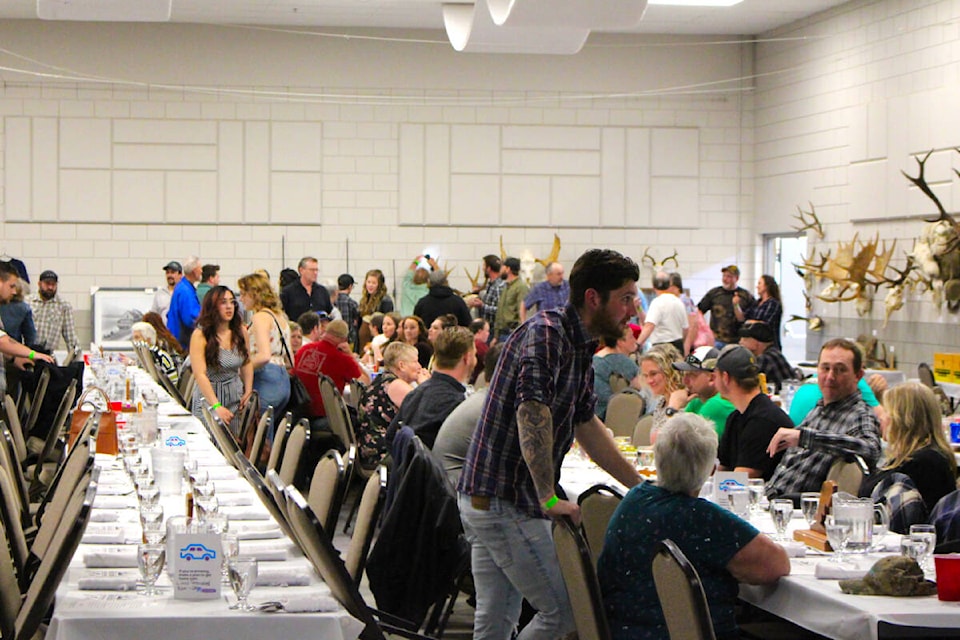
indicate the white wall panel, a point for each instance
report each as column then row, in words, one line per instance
column 674, row 152
column 576, row 201
column 675, row 202
column 526, row 200
column 85, row 195
column 613, row 184
column 230, row 172
column 638, row 177
column 436, row 174
column 138, row 196
column 191, row 196
column 164, row 131
column 587, row 138
column 551, row 162
column 85, row 143
column 474, row 149
column 474, row 199
column 296, row 197
column 44, row 180
column 18, row 169
column 256, row 172
column 411, row 161
column 296, row 146
column 174, row 157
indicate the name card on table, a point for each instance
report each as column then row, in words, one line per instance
column 723, row 480
column 195, row 565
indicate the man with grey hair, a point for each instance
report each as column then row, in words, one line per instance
column 440, row 300
column 184, row 304
column 724, row 549
column 666, row 319
column 305, row 294
column 552, row 293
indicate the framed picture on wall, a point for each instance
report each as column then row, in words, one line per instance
column 114, row 312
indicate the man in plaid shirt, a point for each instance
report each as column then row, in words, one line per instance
column 52, row 315
column 349, row 309
column 841, row 425
column 488, row 300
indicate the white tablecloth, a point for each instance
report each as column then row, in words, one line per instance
column 109, row 615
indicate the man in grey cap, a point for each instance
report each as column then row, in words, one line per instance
column 161, row 299
column 699, row 392
column 52, row 315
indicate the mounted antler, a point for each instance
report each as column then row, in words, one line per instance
column 475, row 279
column 812, row 223
column 853, row 272
column 893, row 301
column 554, row 253
column 658, row 265
column 921, row 183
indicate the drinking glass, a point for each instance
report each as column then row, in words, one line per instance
column 928, row 534
column 198, row 477
column 143, row 477
column 781, row 510
column 217, row 522
column 809, row 503
column 230, row 543
column 755, row 489
column 149, row 495
column 738, row 500
column 206, row 506
column 913, row 549
column 150, row 559
column 243, row 575
column 838, row 534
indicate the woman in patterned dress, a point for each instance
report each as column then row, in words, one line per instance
column 219, row 357
column 381, row 401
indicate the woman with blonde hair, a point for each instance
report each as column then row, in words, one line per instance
column 656, row 367
column 269, row 334
column 917, row 446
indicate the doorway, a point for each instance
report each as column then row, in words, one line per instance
column 780, row 252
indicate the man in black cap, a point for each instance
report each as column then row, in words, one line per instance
column 726, row 304
column 161, row 299
column 699, row 392
column 755, row 421
column 758, row 338
column 52, row 315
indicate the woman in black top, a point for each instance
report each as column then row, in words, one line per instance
column 917, row 445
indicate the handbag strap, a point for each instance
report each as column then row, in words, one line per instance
column 91, row 389
column 283, row 341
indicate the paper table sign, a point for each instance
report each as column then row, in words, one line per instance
column 723, row 480
column 193, row 558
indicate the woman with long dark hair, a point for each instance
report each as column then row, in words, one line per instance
column 219, row 357
column 373, row 299
column 769, row 306
column 413, row 332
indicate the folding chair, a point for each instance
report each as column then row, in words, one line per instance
column 580, row 578
column 848, row 474
column 642, row 432
column 681, row 594
column 326, row 489
column 295, row 449
column 371, row 502
column 623, row 411
column 597, row 505
column 260, row 435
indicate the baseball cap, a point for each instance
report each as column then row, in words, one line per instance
column 891, row 576
column 702, row 359
column 48, row 275
column 324, row 316
column 758, row 331
column 732, row 268
column 737, row 361
column 173, row 265
column 338, row 328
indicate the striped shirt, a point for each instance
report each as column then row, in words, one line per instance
column 53, row 318
column 548, row 359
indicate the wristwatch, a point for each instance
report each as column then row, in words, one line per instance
column 670, row 411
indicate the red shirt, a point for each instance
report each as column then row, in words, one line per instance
column 322, row 357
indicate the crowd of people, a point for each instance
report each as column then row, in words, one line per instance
column 545, row 360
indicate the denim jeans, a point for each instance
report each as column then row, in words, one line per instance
column 513, row 557
column 272, row 383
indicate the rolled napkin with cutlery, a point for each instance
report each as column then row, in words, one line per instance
column 104, row 534
column 109, row 581
column 847, row 570
column 309, row 604
column 283, row 577
column 235, row 499
column 267, row 550
column 222, row 473
column 794, row 549
column 257, row 530
column 102, row 501
column 111, row 557
column 103, row 515
column 245, row 513
column 237, row 485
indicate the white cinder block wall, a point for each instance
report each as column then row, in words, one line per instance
column 838, row 115
column 254, row 148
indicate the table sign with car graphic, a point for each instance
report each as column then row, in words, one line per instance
column 194, row 556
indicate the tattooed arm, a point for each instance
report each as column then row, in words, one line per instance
column 535, row 426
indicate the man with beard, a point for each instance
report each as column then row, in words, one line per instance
column 161, row 299
column 725, row 305
column 52, row 315
column 541, row 396
column 21, row 353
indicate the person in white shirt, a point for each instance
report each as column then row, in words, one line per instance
column 161, row 299
column 666, row 319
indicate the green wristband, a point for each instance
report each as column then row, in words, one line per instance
column 32, row 354
column 549, row 504
column 216, row 406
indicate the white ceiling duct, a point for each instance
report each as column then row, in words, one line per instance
column 470, row 29
column 589, row 14
column 105, row 10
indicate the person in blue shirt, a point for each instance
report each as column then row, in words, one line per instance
column 809, row 394
column 184, row 304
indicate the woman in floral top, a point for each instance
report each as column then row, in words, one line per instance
column 381, row 401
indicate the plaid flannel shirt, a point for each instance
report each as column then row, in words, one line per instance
column 53, row 318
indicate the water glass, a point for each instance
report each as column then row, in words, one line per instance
column 204, row 489
column 243, row 574
column 217, row 522
column 198, row 477
column 230, row 543
column 838, row 534
column 809, row 503
column 927, row 534
column 150, row 559
column 149, row 495
column 205, row 507
column 781, row 510
column 738, row 500
column 755, row 488
column 913, row 549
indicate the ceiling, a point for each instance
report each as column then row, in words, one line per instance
column 751, row 17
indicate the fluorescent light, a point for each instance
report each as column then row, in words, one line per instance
column 697, row 3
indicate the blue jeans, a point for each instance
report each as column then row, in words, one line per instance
column 272, row 382
column 513, row 557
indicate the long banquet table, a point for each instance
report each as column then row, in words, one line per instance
column 812, row 603
column 123, row 615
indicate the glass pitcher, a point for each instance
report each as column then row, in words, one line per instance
column 858, row 513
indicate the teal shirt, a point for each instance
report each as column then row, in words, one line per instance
column 809, row 394
column 715, row 409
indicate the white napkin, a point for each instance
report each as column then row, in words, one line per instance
column 111, row 557
column 231, row 486
column 108, row 580
column 113, row 502
column 266, row 550
column 235, row 499
column 283, row 577
column 850, row 569
column 245, row 513
column 103, row 534
column 308, row 604
column 257, row 530
column 222, row 473
column 102, row 515
column 794, row 549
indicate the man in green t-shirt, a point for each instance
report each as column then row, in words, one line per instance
column 700, row 395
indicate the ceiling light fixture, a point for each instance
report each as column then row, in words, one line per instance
column 697, row 3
